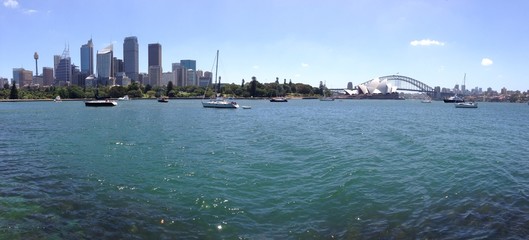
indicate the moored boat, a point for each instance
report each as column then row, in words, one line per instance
column 278, row 99
column 454, row 99
column 219, row 101
column 100, row 103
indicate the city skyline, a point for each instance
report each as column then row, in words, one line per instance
column 305, row 41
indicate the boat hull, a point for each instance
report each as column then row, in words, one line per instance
column 278, row 100
column 220, row 104
column 100, row 103
column 453, row 100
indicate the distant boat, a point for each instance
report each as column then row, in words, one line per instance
column 278, row 99
column 428, row 100
column 57, row 99
column 326, row 99
column 246, row 107
column 100, row 103
column 124, row 98
column 454, row 99
column 163, row 100
column 218, row 102
column 466, row 105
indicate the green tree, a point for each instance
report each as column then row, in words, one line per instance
column 14, row 91
column 148, row 87
column 169, row 88
column 117, row 91
column 253, row 87
column 75, row 92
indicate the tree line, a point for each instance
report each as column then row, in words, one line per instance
column 253, row 89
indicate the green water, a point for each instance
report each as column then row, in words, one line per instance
column 304, row 169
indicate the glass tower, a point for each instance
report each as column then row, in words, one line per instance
column 87, row 58
column 130, row 57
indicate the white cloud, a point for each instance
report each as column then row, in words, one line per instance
column 10, row 3
column 30, row 11
column 255, row 66
column 486, row 62
column 426, row 42
column 305, row 65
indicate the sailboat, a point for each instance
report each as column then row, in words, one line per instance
column 219, row 101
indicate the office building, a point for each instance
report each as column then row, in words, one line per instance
column 104, row 65
column 47, row 76
column 22, row 77
column 155, row 64
column 180, row 75
column 131, row 58
column 191, row 66
column 63, row 69
column 87, row 58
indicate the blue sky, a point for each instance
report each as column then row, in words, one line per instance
column 308, row 41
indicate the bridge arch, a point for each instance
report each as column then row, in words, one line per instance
column 404, row 83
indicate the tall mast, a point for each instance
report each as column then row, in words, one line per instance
column 216, row 70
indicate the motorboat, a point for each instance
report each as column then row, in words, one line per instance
column 278, row 99
column 57, row 99
column 466, row 105
column 100, row 103
column 163, row 100
column 454, row 99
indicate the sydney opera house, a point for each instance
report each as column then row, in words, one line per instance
column 374, row 89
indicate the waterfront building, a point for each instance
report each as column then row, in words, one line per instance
column 22, row 77
column 192, row 76
column 47, row 76
column 131, row 57
column 104, row 65
column 155, row 64
column 90, row 81
column 87, row 58
column 122, row 79
column 377, row 86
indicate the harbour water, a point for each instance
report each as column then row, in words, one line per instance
column 305, row 169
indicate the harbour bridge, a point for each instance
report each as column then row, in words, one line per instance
column 404, row 83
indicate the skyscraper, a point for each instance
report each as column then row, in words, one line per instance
column 155, row 64
column 63, row 71
column 104, row 64
column 131, row 57
column 47, row 76
column 87, row 58
column 191, row 66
